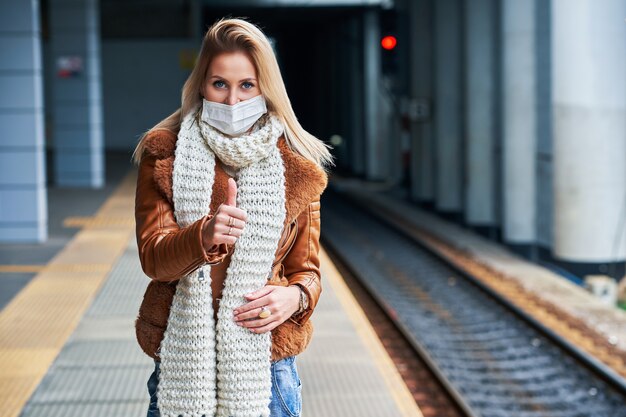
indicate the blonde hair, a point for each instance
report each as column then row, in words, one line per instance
column 232, row 35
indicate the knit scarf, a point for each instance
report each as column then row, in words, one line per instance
column 223, row 369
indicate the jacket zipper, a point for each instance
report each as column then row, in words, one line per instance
column 290, row 246
column 190, row 269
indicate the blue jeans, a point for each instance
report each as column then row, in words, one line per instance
column 286, row 400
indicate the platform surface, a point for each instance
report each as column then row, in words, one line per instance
column 88, row 363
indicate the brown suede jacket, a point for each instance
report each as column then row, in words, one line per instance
column 167, row 252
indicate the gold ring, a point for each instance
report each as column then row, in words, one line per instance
column 230, row 230
column 230, row 220
column 265, row 312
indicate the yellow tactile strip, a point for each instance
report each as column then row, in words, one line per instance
column 35, row 325
column 21, row 269
column 99, row 221
column 56, row 267
column 398, row 389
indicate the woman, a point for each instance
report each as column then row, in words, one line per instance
column 227, row 208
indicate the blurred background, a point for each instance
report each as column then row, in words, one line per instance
column 503, row 116
column 495, row 128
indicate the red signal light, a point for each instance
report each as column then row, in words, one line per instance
column 388, row 42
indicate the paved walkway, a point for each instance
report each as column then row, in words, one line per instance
column 68, row 348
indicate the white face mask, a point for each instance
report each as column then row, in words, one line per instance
column 235, row 119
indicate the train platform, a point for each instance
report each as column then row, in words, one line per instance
column 67, row 341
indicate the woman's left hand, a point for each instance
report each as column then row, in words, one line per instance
column 280, row 300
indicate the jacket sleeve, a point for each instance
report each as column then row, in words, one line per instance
column 166, row 251
column 302, row 263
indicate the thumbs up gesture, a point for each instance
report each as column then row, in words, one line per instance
column 228, row 222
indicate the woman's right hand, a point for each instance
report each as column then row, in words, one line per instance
column 215, row 231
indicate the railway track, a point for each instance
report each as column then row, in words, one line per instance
column 487, row 356
column 431, row 396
